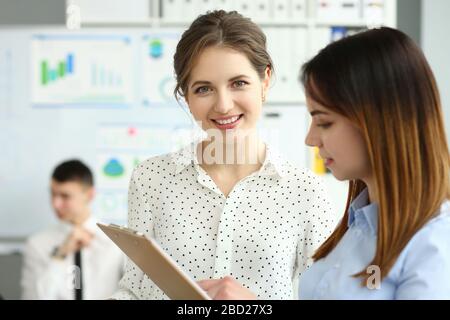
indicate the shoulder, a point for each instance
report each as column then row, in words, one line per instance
column 425, row 261
column 435, row 233
column 432, row 241
column 157, row 164
column 44, row 240
column 309, row 192
column 161, row 166
column 301, row 177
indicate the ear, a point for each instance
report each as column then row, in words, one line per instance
column 90, row 193
column 266, row 80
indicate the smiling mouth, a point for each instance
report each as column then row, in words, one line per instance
column 228, row 121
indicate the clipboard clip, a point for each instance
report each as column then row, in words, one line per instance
column 113, row 225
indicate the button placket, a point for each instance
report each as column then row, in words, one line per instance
column 224, row 246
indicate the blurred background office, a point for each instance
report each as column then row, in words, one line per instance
column 92, row 79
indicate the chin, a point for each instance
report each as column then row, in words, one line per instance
column 340, row 176
column 63, row 216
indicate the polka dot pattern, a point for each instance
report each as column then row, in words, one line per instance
column 262, row 234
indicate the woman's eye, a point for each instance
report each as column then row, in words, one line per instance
column 239, row 83
column 324, row 125
column 201, row 90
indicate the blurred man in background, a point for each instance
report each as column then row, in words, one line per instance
column 73, row 259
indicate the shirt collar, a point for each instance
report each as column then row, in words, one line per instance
column 90, row 224
column 363, row 213
column 185, row 157
column 273, row 163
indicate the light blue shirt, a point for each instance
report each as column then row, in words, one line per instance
column 422, row 270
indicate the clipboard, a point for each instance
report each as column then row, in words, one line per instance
column 155, row 263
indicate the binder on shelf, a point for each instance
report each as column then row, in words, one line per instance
column 298, row 10
column 226, row 5
column 279, row 43
column 204, row 6
column 190, row 10
column 373, row 12
column 338, row 11
column 112, row 11
column 261, row 11
column 244, row 7
column 299, row 56
column 280, row 11
column 319, row 38
column 338, row 33
column 171, row 10
column 275, row 93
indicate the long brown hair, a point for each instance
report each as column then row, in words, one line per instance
column 219, row 28
column 381, row 81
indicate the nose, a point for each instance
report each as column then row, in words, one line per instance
column 224, row 102
column 57, row 202
column 312, row 138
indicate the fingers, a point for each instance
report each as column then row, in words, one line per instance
column 222, row 292
column 82, row 236
column 212, row 287
column 85, row 239
column 226, row 288
column 208, row 284
column 78, row 239
column 80, row 232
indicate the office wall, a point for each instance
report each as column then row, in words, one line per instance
column 409, row 18
column 10, row 275
column 435, row 35
column 26, row 12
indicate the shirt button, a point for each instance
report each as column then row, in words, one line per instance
column 337, row 265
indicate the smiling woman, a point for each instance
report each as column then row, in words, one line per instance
column 227, row 206
column 226, row 103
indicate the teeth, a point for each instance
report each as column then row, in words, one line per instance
column 231, row 120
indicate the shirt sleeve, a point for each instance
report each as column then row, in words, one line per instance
column 139, row 219
column 426, row 263
column 319, row 221
column 42, row 276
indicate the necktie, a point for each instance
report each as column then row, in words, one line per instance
column 79, row 290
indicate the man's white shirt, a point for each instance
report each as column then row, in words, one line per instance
column 44, row 277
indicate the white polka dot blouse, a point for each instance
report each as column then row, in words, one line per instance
column 263, row 234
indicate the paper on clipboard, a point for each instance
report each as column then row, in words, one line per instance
column 155, row 263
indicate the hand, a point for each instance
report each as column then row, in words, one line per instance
column 226, row 288
column 78, row 238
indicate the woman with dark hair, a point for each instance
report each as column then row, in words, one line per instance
column 377, row 121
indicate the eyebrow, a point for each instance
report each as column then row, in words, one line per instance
column 229, row 80
column 317, row 112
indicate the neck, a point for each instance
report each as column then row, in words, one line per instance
column 373, row 196
column 82, row 217
column 237, row 156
